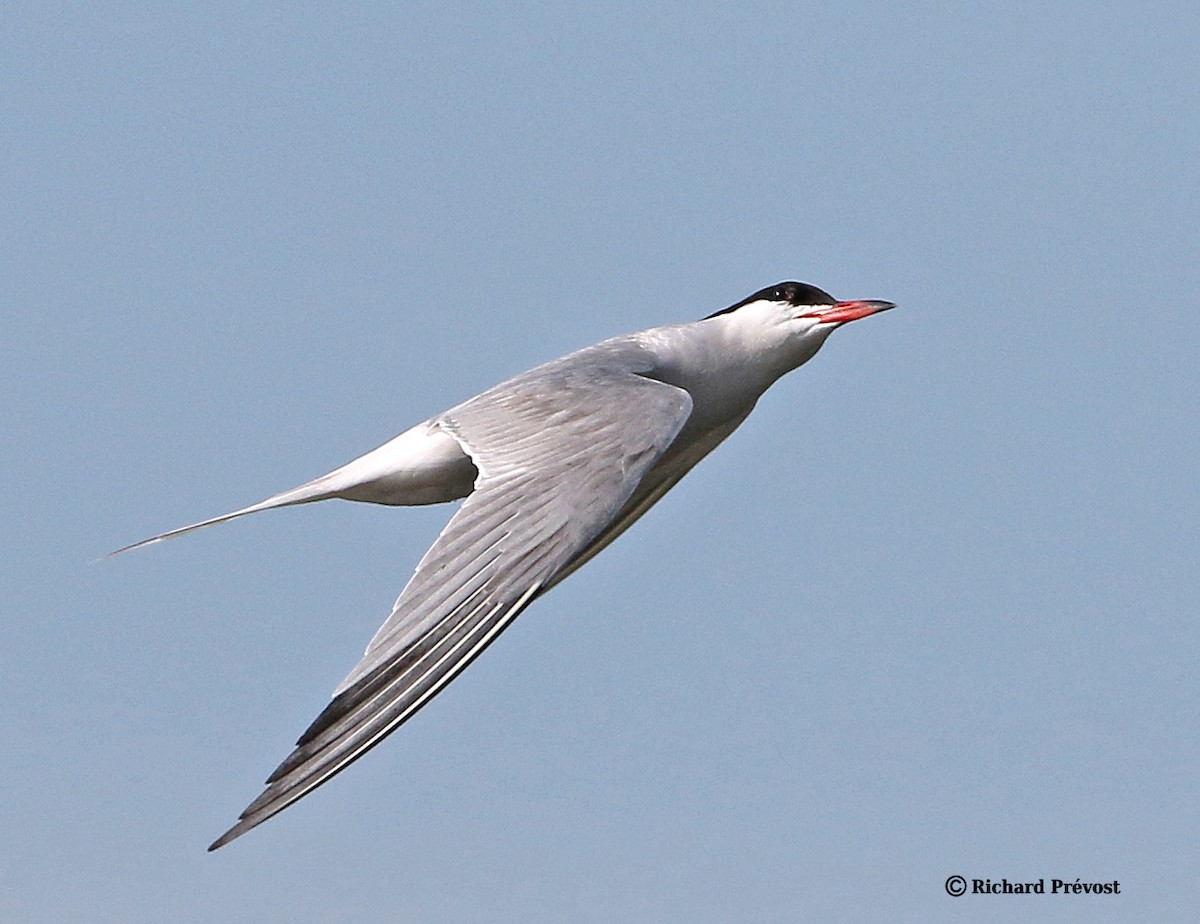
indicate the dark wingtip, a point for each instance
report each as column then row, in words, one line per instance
column 232, row 834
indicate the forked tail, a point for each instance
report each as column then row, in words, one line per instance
column 306, row 493
column 423, row 465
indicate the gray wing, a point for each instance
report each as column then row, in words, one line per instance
column 560, row 451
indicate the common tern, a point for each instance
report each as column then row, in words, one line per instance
column 553, row 464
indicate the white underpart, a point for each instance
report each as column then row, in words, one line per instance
column 420, row 466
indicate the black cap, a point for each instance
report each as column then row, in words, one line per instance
column 794, row 293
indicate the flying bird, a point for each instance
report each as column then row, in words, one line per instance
column 553, row 464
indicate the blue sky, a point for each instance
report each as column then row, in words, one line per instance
column 931, row 611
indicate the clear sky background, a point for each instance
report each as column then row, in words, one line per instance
column 932, row 611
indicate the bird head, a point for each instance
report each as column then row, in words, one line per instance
column 796, row 317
